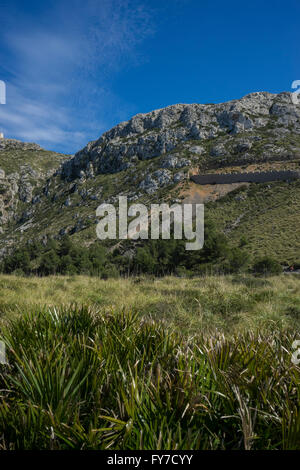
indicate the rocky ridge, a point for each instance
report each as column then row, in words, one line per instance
column 24, row 169
column 148, row 158
column 175, row 130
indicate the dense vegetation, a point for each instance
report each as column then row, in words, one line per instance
column 232, row 304
column 81, row 379
column 158, row 257
column 266, row 214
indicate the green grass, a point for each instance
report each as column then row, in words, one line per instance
column 231, row 304
column 78, row 378
column 149, row 363
column 11, row 160
column 269, row 219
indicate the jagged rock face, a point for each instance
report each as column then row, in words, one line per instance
column 174, row 161
column 41, row 191
column 13, row 144
column 24, row 168
column 156, row 180
column 159, row 132
column 9, row 189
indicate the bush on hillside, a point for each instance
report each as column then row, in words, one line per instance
column 237, row 261
column 267, row 265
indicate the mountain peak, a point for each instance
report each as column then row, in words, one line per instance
column 161, row 131
column 11, row 144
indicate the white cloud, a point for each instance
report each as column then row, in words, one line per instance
column 60, row 65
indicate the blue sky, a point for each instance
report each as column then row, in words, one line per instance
column 75, row 68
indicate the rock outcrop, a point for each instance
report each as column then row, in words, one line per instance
column 163, row 131
column 148, row 158
column 13, row 144
column 24, row 169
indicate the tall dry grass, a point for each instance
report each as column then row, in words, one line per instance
column 229, row 304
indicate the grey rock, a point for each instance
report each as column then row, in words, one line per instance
column 25, row 191
column 149, row 185
column 163, row 177
column 197, row 149
column 36, row 199
column 13, row 144
column 179, row 177
column 158, row 179
column 169, row 162
column 243, row 146
column 154, row 134
column 218, row 150
column 174, row 161
column 68, row 202
column 26, row 215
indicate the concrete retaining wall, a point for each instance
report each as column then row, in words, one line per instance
column 254, row 177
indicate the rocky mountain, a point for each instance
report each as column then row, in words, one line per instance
column 214, row 133
column 150, row 158
column 24, row 170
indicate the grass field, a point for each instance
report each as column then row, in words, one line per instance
column 228, row 303
column 150, row 363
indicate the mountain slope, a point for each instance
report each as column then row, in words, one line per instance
column 150, row 158
column 24, row 170
column 258, row 127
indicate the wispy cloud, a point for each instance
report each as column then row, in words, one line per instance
column 58, row 64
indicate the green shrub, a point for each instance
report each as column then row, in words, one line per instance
column 81, row 379
column 267, row 265
column 237, row 261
